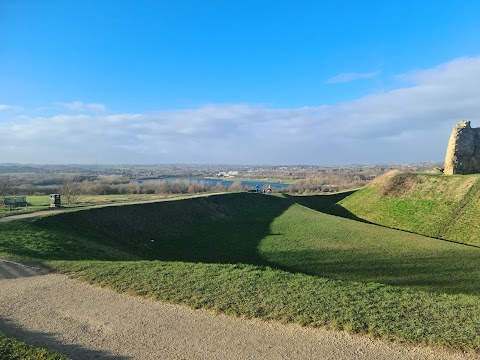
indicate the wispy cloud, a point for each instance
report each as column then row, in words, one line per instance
column 351, row 76
column 79, row 106
column 5, row 107
column 404, row 125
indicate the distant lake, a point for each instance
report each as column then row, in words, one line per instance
column 223, row 182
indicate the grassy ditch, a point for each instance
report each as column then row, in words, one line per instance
column 268, row 257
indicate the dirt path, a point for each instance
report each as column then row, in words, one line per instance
column 86, row 322
column 61, row 210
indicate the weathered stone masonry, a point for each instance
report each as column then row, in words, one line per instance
column 463, row 152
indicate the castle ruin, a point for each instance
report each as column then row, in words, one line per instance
column 463, row 152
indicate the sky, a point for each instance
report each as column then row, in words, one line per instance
column 235, row 82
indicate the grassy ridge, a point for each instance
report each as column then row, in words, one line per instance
column 432, row 205
column 268, row 257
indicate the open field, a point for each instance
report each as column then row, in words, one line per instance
column 268, row 257
column 44, row 200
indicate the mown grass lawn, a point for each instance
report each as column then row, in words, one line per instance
column 269, row 257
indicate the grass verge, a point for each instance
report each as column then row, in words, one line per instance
column 11, row 349
column 253, row 291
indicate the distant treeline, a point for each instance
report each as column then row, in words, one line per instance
column 328, row 183
column 308, row 180
column 115, row 185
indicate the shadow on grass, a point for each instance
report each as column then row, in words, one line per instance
column 436, row 273
column 49, row 341
column 214, row 229
column 221, row 229
column 12, row 270
column 428, row 271
column 318, row 202
column 328, row 204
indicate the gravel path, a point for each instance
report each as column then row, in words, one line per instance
column 86, row 322
column 32, row 214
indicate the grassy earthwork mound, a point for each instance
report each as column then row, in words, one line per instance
column 272, row 257
column 446, row 207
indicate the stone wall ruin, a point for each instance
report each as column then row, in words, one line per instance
column 463, row 152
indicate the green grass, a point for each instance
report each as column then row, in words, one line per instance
column 39, row 200
column 42, row 202
column 433, row 205
column 11, row 349
column 35, row 203
column 465, row 225
column 269, row 257
column 263, row 292
column 305, row 241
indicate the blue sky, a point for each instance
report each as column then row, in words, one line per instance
column 241, row 82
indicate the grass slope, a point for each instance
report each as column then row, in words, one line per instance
column 434, row 205
column 269, row 257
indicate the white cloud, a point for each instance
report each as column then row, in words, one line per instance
column 5, row 107
column 408, row 124
column 351, row 76
column 79, row 106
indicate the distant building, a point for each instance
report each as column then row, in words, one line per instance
column 227, row 173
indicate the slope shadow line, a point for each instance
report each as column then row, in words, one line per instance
column 335, row 209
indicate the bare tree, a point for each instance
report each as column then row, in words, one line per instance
column 235, row 187
column 5, row 186
column 71, row 189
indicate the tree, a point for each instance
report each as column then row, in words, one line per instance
column 235, row 187
column 5, row 186
column 70, row 189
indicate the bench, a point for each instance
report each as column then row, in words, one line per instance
column 14, row 202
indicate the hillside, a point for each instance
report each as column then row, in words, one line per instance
column 250, row 229
column 203, row 229
column 269, row 257
column 440, row 206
